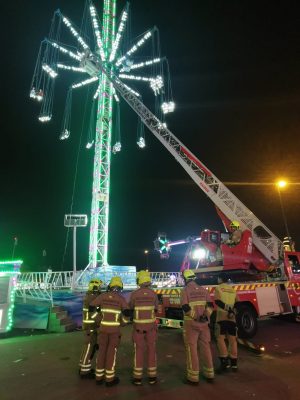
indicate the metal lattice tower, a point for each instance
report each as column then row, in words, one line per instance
column 101, row 181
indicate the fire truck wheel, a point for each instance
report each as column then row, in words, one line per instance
column 246, row 320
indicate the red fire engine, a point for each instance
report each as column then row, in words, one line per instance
column 264, row 288
column 265, row 273
column 261, row 294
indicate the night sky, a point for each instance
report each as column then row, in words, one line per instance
column 235, row 80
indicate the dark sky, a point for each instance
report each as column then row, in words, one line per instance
column 235, row 79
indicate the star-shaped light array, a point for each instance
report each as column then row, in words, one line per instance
column 92, row 62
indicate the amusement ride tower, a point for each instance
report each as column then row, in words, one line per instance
column 104, row 58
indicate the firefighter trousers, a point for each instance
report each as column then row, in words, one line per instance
column 88, row 351
column 142, row 338
column 194, row 333
column 226, row 330
column 106, row 359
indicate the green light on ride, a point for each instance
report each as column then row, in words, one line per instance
column 11, row 262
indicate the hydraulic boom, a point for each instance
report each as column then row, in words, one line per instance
column 263, row 239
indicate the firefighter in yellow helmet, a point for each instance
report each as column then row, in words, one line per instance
column 235, row 234
column 288, row 244
column 225, row 328
column 144, row 303
column 197, row 307
column 114, row 311
column 89, row 325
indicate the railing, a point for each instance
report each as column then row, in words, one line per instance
column 43, row 280
column 34, row 293
column 48, row 281
column 40, row 285
column 166, row 279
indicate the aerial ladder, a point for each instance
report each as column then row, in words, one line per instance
column 229, row 207
column 284, row 294
column 268, row 244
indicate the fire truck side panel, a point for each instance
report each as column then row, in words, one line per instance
column 268, row 302
column 294, row 293
column 266, row 299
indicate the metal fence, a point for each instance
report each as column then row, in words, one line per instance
column 40, row 285
column 65, row 279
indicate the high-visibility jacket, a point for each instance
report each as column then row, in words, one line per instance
column 144, row 303
column 198, row 298
column 90, row 319
column 228, row 296
column 111, row 304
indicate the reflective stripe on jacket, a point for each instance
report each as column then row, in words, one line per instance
column 228, row 296
column 111, row 305
column 90, row 320
column 196, row 297
column 144, row 303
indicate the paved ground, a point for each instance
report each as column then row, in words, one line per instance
column 45, row 367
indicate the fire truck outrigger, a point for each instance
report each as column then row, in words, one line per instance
column 267, row 275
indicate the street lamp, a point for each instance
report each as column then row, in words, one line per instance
column 146, row 252
column 75, row 221
column 281, row 184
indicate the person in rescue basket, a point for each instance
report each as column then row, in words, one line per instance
column 114, row 311
column 144, row 302
column 225, row 328
column 197, row 307
column 90, row 323
column 235, row 234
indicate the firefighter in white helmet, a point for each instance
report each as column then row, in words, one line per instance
column 89, row 325
column 114, row 312
column 197, row 307
column 225, row 327
column 144, row 303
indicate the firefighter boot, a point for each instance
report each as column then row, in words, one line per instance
column 152, row 380
column 233, row 364
column 89, row 375
column 224, row 366
column 112, row 383
column 136, row 381
column 188, row 382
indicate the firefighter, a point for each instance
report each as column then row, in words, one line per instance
column 288, row 244
column 235, row 235
column 114, row 312
column 225, row 328
column 144, row 303
column 197, row 307
column 89, row 326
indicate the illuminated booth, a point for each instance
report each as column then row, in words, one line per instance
column 8, row 280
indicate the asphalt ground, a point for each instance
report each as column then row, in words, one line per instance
column 45, row 366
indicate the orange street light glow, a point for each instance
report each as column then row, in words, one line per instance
column 281, row 184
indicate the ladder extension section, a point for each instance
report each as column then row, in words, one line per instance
column 264, row 240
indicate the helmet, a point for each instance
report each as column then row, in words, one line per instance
column 95, row 285
column 143, row 277
column 115, row 282
column 235, row 225
column 189, row 275
column 287, row 243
